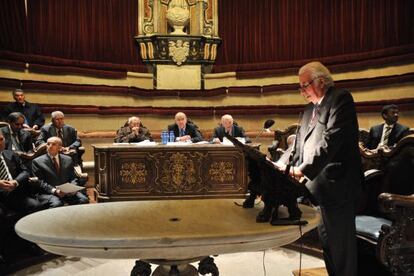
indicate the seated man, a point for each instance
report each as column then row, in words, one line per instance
column 185, row 130
column 228, row 126
column 15, row 194
column 133, row 132
column 54, row 169
column 66, row 133
column 388, row 133
column 32, row 114
column 16, row 137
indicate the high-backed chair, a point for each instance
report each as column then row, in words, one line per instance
column 385, row 221
column 280, row 143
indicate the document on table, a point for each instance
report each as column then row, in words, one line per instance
column 69, row 188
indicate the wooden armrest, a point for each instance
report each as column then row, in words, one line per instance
column 388, row 202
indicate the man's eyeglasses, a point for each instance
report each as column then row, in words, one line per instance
column 305, row 86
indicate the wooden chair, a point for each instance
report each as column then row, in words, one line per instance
column 385, row 221
column 280, row 143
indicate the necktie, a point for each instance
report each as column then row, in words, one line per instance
column 56, row 164
column 315, row 115
column 4, row 175
column 386, row 135
column 15, row 142
column 182, row 132
column 60, row 133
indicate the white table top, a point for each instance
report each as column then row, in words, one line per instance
column 158, row 229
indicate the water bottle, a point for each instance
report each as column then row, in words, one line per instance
column 172, row 136
column 164, row 137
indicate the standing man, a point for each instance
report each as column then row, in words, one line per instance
column 327, row 155
column 133, row 132
column 184, row 130
column 388, row 133
column 228, row 126
column 33, row 116
column 67, row 134
column 54, row 169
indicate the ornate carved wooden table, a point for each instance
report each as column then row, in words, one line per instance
column 131, row 172
column 172, row 233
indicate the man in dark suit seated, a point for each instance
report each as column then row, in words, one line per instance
column 54, row 169
column 228, row 126
column 66, row 133
column 133, row 132
column 16, row 137
column 388, row 133
column 14, row 176
column 33, row 116
column 185, row 131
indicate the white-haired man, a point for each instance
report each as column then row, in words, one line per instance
column 68, row 135
column 327, row 155
column 228, row 126
column 134, row 131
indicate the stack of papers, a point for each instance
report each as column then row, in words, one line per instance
column 69, row 188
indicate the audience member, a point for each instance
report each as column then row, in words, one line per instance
column 388, row 133
column 15, row 193
column 185, row 130
column 17, row 139
column 133, row 132
column 228, row 126
column 54, row 169
column 66, row 133
column 32, row 114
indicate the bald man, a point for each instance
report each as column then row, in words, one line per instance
column 184, row 130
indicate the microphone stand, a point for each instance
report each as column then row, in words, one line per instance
column 293, row 151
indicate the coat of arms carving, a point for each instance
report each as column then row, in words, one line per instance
column 179, row 50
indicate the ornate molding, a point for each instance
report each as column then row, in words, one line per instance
column 222, row 171
column 133, row 173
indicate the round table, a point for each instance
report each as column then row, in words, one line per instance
column 171, row 233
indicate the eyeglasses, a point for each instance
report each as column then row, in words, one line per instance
column 305, row 86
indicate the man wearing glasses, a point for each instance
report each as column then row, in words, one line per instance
column 327, row 155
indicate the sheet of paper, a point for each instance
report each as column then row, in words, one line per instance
column 69, row 188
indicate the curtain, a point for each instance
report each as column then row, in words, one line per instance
column 13, row 26
column 89, row 30
column 263, row 32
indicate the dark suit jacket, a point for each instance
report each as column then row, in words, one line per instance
column 237, row 131
column 375, row 134
column 44, row 169
column 30, row 111
column 70, row 136
column 25, row 139
column 327, row 152
column 18, row 171
column 190, row 129
column 125, row 135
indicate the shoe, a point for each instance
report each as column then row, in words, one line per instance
column 249, row 202
column 264, row 215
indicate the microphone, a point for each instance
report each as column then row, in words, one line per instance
column 267, row 124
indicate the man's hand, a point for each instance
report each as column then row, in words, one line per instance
column 184, row 138
column 135, row 130
column 296, row 173
column 216, row 141
column 59, row 193
column 8, row 186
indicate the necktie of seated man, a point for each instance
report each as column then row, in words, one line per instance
column 4, row 175
column 386, row 135
column 60, row 133
column 182, row 132
column 56, row 164
column 15, row 142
